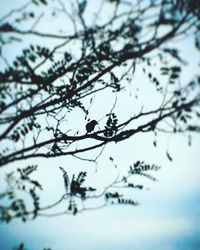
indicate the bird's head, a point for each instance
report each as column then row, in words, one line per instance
column 94, row 122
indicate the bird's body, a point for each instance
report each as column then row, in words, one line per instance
column 91, row 125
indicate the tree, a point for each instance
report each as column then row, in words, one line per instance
column 85, row 57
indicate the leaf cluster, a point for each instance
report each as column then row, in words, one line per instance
column 111, row 125
column 21, row 131
column 116, row 198
column 74, row 187
column 173, row 73
column 140, row 168
column 16, row 207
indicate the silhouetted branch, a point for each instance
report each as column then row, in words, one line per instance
column 61, row 71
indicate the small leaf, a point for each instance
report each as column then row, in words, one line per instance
column 111, row 159
column 168, row 156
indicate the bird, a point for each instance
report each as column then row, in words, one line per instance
column 91, row 125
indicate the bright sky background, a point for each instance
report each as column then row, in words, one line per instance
column 168, row 217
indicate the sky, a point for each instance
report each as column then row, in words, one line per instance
column 169, row 211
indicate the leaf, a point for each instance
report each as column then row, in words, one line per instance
column 35, row 2
column 37, row 184
column 168, row 156
column 174, row 76
column 174, row 53
column 82, row 6
column 44, row 2
column 176, row 69
column 66, row 179
column 189, row 140
column 194, row 128
column 111, row 159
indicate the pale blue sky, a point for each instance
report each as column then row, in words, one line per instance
column 168, row 217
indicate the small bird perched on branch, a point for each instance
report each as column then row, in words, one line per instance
column 91, row 125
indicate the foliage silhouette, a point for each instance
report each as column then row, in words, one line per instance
column 42, row 83
column 76, row 195
column 22, row 247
